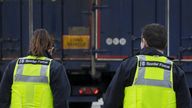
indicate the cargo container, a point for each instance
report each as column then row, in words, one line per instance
column 92, row 37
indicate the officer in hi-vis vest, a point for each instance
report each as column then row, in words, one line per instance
column 35, row 81
column 149, row 79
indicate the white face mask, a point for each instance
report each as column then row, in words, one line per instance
column 143, row 43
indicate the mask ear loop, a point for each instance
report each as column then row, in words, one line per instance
column 52, row 48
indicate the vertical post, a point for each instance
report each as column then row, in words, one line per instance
column 132, row 27
column 94, row 26
column 21, row 27
column 180, row 22
column 1, row 18
column 156, row 7
column 30, row 18
column 62, row 28
column 42, row 6
column 168, row 26
column 180, row 31
column 1, row 27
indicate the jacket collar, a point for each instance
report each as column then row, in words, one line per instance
column 150, row 51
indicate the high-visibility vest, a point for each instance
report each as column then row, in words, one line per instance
column 31, row 83
column 153, row 84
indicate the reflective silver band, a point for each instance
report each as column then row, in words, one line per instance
column 142, row 81
column 42, row 78
column 43, row 70
column 20, row 69
column 21, row 66
column 23, row 78
column 152, row 82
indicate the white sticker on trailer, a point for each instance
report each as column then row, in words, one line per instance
column 115, row 41
column 122, row 41
column 109, row 41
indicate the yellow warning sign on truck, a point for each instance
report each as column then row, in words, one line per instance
column 76, row 41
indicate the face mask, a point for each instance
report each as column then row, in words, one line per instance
column 51, row 50
column 143, row 43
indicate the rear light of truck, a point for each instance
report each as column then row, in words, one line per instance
column 89, row 91
column 95, row 91
column 80, row 91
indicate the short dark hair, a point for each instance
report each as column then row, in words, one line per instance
column 155, row 35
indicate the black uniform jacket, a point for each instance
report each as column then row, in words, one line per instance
column 59, row 84
column 124, row 77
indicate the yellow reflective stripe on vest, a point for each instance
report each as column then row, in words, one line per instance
column 141, row 80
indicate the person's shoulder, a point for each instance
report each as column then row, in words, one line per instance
column 177, row 70
column 130, row 61
column 12, row 62
column 56, row 63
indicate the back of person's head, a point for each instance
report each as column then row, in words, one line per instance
column 155, row 36
column 40, row 42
